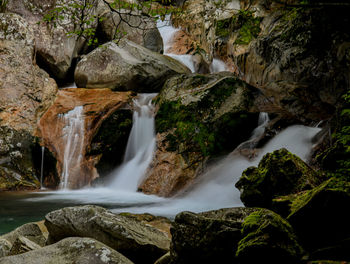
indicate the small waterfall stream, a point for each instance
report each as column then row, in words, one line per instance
column 167, row 32
column 42, row 168
column 140, row 147
column 73, row 137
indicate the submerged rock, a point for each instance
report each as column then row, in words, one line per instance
column 126, row 66
column 199, row 116
column 279, row 173
column 268, row 238
column 26, row 92
column 97, row 105
column 70, row 250
column 140, row 242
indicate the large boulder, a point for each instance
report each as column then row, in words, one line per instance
column 140, row 242
column 279, row 173
column 70, row 250
column 56, row 50
column 268, row 238
column 132, row 25
column 319, row 218
column 26, row 92
column 208, row 237
column 199, row 116
column 96, row 105
column 126, row 66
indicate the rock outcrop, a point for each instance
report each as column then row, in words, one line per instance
column 97, row 106
column 279, row 173
column 140, row 242
column 199, row 116
column 70, row 250
column 26, row 92
column 55, row 48
column 126, row 66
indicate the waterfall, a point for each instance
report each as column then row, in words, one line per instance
column 140, row 147
column 73, row 138
column 262, row 123
column 42, row 168
column 167, row 32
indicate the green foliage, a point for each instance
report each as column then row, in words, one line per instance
column 223, row 27
column 249, row 27
column 3, row 4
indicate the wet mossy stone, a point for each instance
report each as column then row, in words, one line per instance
column 320, row 216
column 268, row 238
column 208, row 237
column 279, row 173
column 205, row 113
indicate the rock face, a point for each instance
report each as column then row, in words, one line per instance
column 279, row 173
column 198, row 118
column 26, row 91
column 207, row 237
column 97, row 106
column 70, row 250
column 295, row 61
column 55, row 49
column 126, row 66
column 268, row 238
column 139, row 242
column 134, row 26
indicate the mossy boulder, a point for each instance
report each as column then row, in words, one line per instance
column 208, row 237
column 279, row 173
column 268, row 238
column 318, row 215
column 199, row 117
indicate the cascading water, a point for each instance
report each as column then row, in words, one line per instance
column 167, row 32
column 140, row 147
column 73, row 137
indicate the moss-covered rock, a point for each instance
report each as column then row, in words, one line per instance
column 318, row 215
column 268, row 238
column 279, row 173
column 199, row 117
column 208, row 237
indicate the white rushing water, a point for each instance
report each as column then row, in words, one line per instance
column 215, row 188
column 167, row 31
column 73, row 138
column 140, row 147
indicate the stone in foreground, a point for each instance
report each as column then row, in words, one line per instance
column 68, row 251
column 137, row 241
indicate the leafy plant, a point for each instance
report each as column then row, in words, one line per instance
column 3, row 4
column 249, row 26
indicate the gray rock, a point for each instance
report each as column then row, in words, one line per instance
column 5, row 247
column 137, row 241
column 23, row 245
column 55, row 49
column 126, row 66
column 68, row 251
